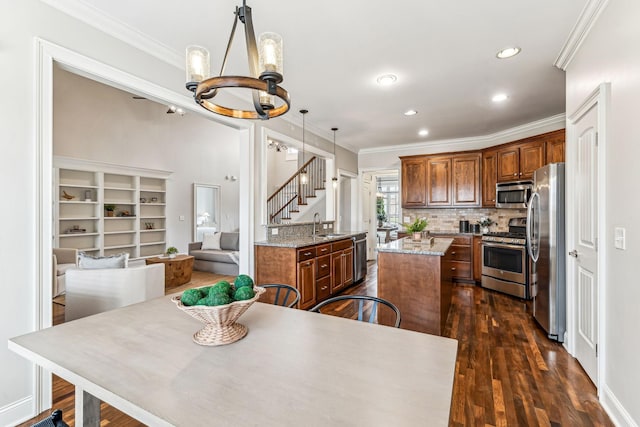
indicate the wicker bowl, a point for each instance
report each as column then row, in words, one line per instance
column 220, row 325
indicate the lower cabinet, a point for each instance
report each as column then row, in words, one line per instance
column 318, row 271
column 477, row 258
column 458, row 260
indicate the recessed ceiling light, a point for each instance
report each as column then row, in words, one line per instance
column 387, row 79
column 410, row 113
column 508, row 52
column 499, row 97
column 423, row 132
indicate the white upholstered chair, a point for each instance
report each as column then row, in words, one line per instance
column 94, row 291
column 63, row 260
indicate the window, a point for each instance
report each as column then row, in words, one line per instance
column 388, row 190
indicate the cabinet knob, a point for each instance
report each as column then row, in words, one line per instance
column 520, row 173
column 453, row 252
column 515, row 174
column 453, row 269
column 323, row 288
column 324, row 266
column 307, row 253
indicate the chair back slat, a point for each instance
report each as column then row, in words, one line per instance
column 375, row 301
column 287, row 292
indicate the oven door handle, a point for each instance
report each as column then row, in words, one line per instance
column 504, row 245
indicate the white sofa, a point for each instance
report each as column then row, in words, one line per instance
column 94, row 291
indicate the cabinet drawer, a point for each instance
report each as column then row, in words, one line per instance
column 458, row 253
column 323, row 266
column 458, row 269
column 341, row 244
column 306, row 253
column 323, row 288
column 458, row 239
column 323, row 250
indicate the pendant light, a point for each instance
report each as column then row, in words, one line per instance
column 334, row 180
column 304, row 177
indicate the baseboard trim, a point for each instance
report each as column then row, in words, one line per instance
column 618, row 414
column 18, row 411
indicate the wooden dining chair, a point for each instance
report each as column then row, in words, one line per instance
column 284, row 295
column 361, row 300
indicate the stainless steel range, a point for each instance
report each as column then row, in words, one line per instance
column 506, row 266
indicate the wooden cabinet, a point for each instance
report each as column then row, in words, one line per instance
column 414, row 183
column 518, row 162
column 458, row 259
column 466, row 180
column 555, row 146
column 317, row 271
column 439, row 181
column 477, row 258
column 489, row 178
column 307, row 283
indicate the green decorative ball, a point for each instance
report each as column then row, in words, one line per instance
column 202, row 301
column 204, row 291
column 242, row 281
column 190, row 297
column 244, row 293
column 218, row 298
column 222, row 286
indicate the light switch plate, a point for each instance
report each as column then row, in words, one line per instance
column 181, row 217
column 274, row 231
column 619, row 238
column 407, row 219
column 324, row 226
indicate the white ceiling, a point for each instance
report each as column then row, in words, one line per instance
column 443, row 53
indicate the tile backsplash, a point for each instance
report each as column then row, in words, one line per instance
column 447, row 220
column 290, row 231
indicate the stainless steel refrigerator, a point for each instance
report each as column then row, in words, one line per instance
column 546, row 247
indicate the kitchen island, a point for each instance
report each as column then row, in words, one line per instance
column 411, row 276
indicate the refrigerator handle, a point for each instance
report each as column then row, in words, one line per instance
column 533, row 256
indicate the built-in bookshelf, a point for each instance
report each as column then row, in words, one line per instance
column 137, row 222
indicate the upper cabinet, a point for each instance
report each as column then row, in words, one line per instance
column 555, row 146
column 469, row 179
column 441, row 181
column 438, row 181
column 465, row 180
column 414, row 182
column 489, row 177
column 520, row 161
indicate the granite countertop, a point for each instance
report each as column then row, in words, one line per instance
column 299, row 242
column 414, row 247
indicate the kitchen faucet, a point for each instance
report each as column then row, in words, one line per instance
column 316, row 220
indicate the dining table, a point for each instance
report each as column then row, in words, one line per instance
column 387, row 229
column 293, row 368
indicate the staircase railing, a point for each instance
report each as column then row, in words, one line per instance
column 292, row 194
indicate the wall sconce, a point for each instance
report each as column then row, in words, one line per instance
column 231, row 178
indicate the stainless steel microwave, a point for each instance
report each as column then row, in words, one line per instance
column 514, row 194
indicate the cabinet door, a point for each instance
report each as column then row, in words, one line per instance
column 466, row 180
column 477, row 258
column 489, row 177
column 337, row 279
column 439, row 181
column 414, row 183
column 508, row 164
column 347, row 267
column 555, row 147
column 531, row 158
column 307, row 283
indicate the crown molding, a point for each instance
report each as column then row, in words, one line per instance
column 96, row 18
column 580, row 31
column 473, row 142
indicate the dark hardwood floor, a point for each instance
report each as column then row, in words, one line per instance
column 507, row 372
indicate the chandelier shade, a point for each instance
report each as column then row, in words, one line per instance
column 265, row 69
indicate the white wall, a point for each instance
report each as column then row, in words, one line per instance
column 93, row 121
column 279, row 169
column 610, row 54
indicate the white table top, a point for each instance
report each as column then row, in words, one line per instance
column 293, row 368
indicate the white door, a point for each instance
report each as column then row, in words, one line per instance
column 583, row 249
column 367, row 223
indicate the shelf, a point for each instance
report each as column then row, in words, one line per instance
column 152, row 204
column 120, row 246
column 119, row 202
column 79, row 218
column 78, row 186
column 152, row 217
column 119, row 217
column 153, row 243
column 77, row 202
column 144, row 190
column 119, row 232
column 77, row 234
column 151, row 230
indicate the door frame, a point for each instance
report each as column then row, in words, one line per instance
column 600, row 98
column 353, row 183
column 46, row 55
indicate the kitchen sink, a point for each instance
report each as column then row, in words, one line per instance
column 331, row 235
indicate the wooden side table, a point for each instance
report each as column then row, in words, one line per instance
column 177, row 271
